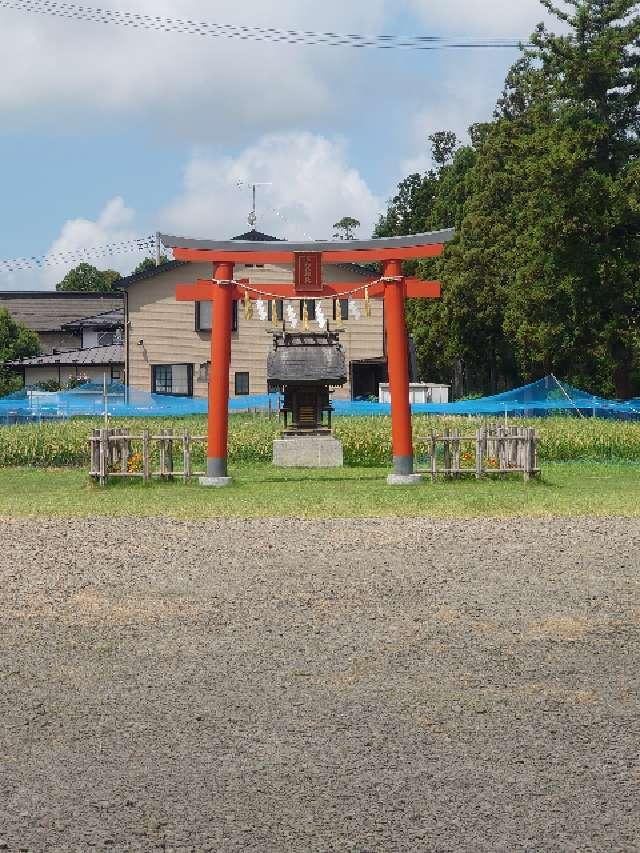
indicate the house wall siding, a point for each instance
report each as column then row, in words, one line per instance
column 167, row 328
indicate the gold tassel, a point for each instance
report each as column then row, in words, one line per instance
column 305, row 316
column 274, row 312
column 367, row 304
column 248, row 306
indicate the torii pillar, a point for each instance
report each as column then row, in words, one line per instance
column 306, row 260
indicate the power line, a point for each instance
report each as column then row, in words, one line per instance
column 244, row 33
column 123, row 247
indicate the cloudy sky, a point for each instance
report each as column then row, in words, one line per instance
column 108, row 133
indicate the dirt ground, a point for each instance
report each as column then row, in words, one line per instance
column 319, row 686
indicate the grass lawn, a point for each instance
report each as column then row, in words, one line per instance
column 571, row 489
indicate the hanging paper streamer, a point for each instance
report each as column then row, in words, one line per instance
column 320, row 316
column 274, row 312
column 292, row 317
column 338, row 311
column 354, row 309
column 261, row 308
column 248, row 307
column 367, row 304
column 305, row 315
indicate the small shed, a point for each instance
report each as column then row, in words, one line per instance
column 420, row 392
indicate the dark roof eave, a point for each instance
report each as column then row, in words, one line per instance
column 125, row 283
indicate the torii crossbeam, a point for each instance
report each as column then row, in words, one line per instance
column 307, row 260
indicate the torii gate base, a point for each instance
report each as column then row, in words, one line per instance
column 306, row 260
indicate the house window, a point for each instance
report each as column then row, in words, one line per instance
column 106, row 339
column 311, row 308
column 344, row 308
column 203, row 316
column 242, row 384
column 116, row 374
column 172, row 379
column 279, row 310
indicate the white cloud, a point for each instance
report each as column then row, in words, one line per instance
column 500, row 18
column 311, row 187
column 114, row 224
column 71, row 75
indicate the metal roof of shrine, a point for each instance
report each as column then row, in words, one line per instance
column 429, row 238
column 307, row 358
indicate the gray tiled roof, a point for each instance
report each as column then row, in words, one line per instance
column 50, row 311
column 92, row 355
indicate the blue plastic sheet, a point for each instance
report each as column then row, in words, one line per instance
column 544, row 398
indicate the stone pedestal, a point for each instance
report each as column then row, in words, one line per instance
column 405, row 479
column 215, row 482
column 313, row 451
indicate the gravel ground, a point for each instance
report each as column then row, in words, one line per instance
column 319, row 686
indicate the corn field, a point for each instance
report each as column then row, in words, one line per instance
column 366, row 440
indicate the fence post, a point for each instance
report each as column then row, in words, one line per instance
column 145, row 456
column 456, row 453
column 447, row 455
column 186, row 456
column 501, row 447
column 124, row 453
column 95, row 453
column 513, row 450
column 169, row 454
column 480, row 444
column 104, row 456
column 161, row 454
column 434, row 458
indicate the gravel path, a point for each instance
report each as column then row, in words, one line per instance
column 319, row 686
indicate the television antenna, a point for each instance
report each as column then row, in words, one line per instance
column 253, row 217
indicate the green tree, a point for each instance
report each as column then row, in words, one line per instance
column 345, row 228
column 16, row 341
column 574, row 305
column 86, row 277
column 149, row 264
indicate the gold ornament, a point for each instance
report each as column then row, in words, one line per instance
column 248, row 306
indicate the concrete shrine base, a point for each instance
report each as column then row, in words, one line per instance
column 313, row 451
column 215, row 482
column 405, row 479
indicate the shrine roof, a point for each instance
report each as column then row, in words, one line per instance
column 429, row 238
column 307, row 363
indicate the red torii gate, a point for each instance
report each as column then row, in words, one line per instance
column 307, row 259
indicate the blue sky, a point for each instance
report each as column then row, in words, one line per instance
column 108, row 133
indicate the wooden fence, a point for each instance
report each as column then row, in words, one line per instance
column 116, row 453
column 493, row 450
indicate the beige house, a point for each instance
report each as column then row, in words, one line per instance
column 168, row 343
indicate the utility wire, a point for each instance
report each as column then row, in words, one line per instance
column 140, row 244
column 244, row 33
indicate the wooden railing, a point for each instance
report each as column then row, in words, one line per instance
column 117, row 453
column 493, row 450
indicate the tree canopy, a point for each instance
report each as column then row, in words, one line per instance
column 345, row 228
column 16, row 341
column 544, row 274
column 149, row 264
column 88, row 278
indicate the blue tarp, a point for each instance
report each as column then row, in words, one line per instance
column 543, row 398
